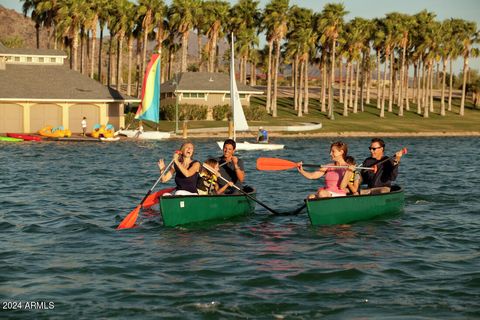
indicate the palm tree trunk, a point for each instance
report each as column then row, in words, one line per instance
column 405, row 86
column 415, row 77
column 119, row 60
column 420, row 79
column 402, row 76
column 347, row 86
column 253, row 74
column 427, row 85
column 362, row 81
column 199, row 49
column 268, row 105
column 100, row 46
column 378, row 79
column 464, row 85
column 300, row 89
column 357, row 72
column 444, row 77
column 392, row 84
column 432, row 74
column 331, row 105
column 75, row 50
column 324, row 85
column 295, row 82
column 82, row 52
column 382, row 110
column 109, row 70
column 37, row 34
column 450, row 87
column 305, row 105
column 350, row 95
column 130, row 55
column 340, row 68
column 94, row 40
column 275, row 80
column 183, row 67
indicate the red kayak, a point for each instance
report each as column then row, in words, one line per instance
column 25, row 137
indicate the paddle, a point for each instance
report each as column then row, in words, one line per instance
column 129, row 220
column 153, row 199
column 404, row 151
column 234, row 186
column 276, row 164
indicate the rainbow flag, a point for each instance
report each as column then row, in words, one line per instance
column 149, row 108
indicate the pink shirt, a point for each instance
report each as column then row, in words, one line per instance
column 333, row 179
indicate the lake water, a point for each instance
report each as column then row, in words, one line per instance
column 60, row 252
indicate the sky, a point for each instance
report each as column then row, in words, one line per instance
column 444, row 9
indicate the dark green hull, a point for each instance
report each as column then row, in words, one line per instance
column 178, row 210
column 330, row 211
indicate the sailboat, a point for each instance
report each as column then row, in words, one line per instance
column 149, row 108
column 239, row 120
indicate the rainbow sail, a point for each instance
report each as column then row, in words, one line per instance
column 149, row 108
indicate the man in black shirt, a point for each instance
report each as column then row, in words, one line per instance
column 387, row 168
column 231, row 167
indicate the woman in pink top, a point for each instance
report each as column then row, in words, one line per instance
column 336, row 179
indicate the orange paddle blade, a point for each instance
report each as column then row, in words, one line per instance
column 275, row 164
column 130, row 219
column 153, row 199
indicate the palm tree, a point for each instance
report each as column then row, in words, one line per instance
column 215, row 13
column 468, row 37
column 31, row 5
column 71, row 15
column 275, row 18
column 182, row 16
column 331, row 21
column 147, row 9
column 244, row 20
column 47, row 11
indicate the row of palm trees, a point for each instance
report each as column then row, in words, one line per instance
column 294, row 35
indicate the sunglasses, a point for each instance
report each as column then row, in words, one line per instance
column 372, row 148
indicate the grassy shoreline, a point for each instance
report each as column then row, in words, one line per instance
column 367, row 123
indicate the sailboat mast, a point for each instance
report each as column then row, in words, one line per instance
column 232, row 81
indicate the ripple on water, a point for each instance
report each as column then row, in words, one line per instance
column 60, row 205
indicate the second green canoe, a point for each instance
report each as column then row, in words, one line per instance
column 330, row 211
column 179, row 210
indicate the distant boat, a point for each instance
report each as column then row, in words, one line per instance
column 146, row 135
column 149, row 107
column 239, row 120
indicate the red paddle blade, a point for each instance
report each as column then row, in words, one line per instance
column 130, row 219
column 153, row 199
column 404, row 151
column 275, row 164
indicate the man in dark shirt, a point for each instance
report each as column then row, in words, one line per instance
column 231, row 167
column 387, row 168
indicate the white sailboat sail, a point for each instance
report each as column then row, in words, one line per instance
column 239, row 120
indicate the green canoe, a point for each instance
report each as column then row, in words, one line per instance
column 329, row 211
column 8, row 139
column 178, row 210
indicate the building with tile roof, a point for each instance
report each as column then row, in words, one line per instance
column 37, row 89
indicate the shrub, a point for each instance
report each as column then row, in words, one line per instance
column 221, row 112
column 185, row 112
column 255, row 112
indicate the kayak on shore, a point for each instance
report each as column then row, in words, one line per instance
column 25, row 137
column 10, row 139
